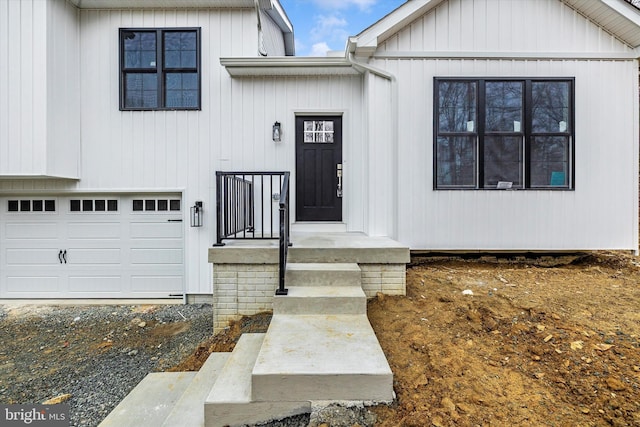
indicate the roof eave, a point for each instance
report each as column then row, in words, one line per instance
column 287, row 66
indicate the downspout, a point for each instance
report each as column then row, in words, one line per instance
column 261, row 50
column 394, row 126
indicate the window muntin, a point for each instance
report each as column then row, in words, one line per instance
column 495, row 130
column 160, row 69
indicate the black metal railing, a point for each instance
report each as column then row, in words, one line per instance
column 245, row 210
column 284, row 234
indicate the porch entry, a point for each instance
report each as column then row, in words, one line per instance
column 319, row 168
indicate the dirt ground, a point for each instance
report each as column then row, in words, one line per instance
column 504, row 342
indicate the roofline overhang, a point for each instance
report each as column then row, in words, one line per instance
column 276, row 12
column 161, row 4
column 288, row 66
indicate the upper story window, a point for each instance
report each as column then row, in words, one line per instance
column 160, row 69
column 504, row 133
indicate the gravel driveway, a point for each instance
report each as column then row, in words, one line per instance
column 95, row 354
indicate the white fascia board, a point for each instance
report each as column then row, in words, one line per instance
column 287, row 66
column 276, row 12
column 161, row 4
column 368, row 40
column 625, row 9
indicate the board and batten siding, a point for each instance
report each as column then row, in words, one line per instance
column 602, row 211
column 272, row 36
column 39, row 89
column 534, row 26
column 256, row 103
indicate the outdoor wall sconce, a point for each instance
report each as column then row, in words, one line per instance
column 196, row 214
column 275, row 132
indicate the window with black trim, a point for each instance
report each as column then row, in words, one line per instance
column 503, row 133
column 91, row 205
column 160, row 69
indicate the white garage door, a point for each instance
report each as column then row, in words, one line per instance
column 91, row 247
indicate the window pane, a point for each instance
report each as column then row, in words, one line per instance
column 138, row 205
column 139, row 49
column 141, row 90
column 180, row 49
column 182, row 90
column 25, row 205
column 174, row 205
column 550, row 107
column 456, row 160
column 550, row 161
column 149, row 205
column 100, row 205
column 37, row 206
column 163, row 205
column 112, row 205
column 12, row 206
column 50, row 205
column 87, row 205
column 74, row 205
column 502, row 160
column 456, row 106
column 503, row 103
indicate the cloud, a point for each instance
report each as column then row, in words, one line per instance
column 332, row 27
column 319, row 49
column 345, row 4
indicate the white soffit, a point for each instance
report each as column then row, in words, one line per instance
column 287, row 66
column 616, row 16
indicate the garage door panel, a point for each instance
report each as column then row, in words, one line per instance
column 156, row 256
column 32, row 230
column 156, row 230
column 32, row 257
column 94, row 230
column 96, row 284
column 33, row 284
column 94, row 256
column 161, row 283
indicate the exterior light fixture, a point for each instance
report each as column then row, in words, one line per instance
column 275, row 132
column 197, row 212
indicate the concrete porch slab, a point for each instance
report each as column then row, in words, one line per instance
column 314, row 247
column 321, row 357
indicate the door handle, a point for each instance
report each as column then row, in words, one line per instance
column 64, row 256
column 60, row 256
column 339, row 175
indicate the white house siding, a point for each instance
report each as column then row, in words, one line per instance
column 272, row 36
column 256, row 103
column 601, row 212
column 503, row 26
column 39, row 132
column 161, row 150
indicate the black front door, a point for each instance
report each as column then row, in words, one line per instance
column 318, row 168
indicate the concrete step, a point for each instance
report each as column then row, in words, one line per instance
column 323, row 274
column 230, row 402
column 189, row 409
column 151, row 401
column 334, row 357
column 321, row 300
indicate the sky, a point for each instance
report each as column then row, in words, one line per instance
column 323, row 25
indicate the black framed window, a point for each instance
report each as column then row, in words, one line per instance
column 503, row 133
column 160, row 69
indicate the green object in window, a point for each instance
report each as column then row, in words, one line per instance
column 557, row 179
